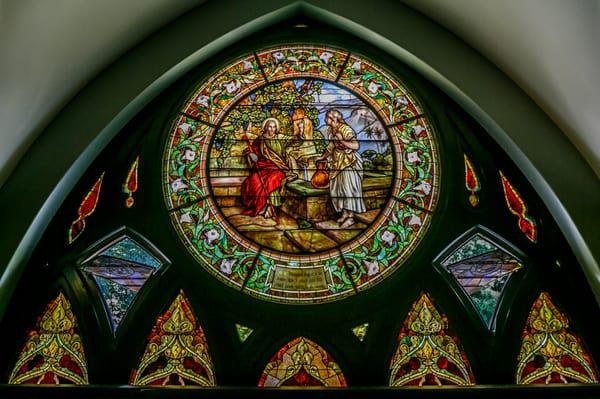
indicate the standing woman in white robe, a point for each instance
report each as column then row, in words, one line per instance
column 346, row 174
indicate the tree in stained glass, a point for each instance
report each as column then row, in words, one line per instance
column 243, row 332
column 177, row 352
column 120, row 271
column 482, row 269
column 53, row 352
column 361, row 331
column 427, row 354
column 302, row 363
column 550, row 353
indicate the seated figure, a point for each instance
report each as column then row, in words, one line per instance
column 261, row 190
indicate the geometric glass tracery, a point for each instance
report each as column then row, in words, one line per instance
column 177, row 352
column 301, row 174
column 302, row 363
column 120, row 271
column 53, row 352
column 550, row 352
column 482, row 269
column 427, row 353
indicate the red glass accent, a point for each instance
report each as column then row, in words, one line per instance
column 86, row 208
column 131, row 182
column 471, row 181
column 517, row 207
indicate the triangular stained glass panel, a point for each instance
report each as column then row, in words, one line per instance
column 428, row 353
column 243, row 332
column 550, row 352
column 53, row 353
column 177, row 351
column 482, row 269
column 120, row 271
column 302, row 363
column 361, row 331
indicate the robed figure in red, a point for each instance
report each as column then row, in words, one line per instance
column 261, row 190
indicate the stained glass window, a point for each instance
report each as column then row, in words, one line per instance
column 302, row 363
column 550, row 352
column 482, row 269
column 177, row 352
column 427, row 353
column 301, row 174
column 120, row 270
column 53, row 352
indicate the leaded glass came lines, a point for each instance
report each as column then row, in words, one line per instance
column 482, row 270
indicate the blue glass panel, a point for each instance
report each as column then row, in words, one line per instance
column 127, row 249
column 120, row 271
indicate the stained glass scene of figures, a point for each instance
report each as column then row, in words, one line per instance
column 120, row 271
column 269, row 172
column 482, row 269
column 305, row 189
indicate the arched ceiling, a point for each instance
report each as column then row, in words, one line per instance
column 50, row 50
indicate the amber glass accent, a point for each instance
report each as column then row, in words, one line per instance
column 131, row 182
column 517, row 207
column 361, row 331
column 427, row 354
column 471, row 181
column 302, row 363
column 53, row 352
column 86, row 208
column 177, row 352
column 550, row 353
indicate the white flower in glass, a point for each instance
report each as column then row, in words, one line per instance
column 400, row 102
column 278, row 57
column 185, row 218
column 211, row 236
column 326, row 56
column 425, row 187
column 227, row 265
column 178, row 184
column 232, row 86
column 417, row 130
column 415, row 221
column 202, row 101
column 372, row 267
column 246, row 66
column 185, row 127
column 189, row 155
column 373, row 87
column 413, row 157
column 388, row 237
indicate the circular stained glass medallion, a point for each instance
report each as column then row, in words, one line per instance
column 301, row 174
